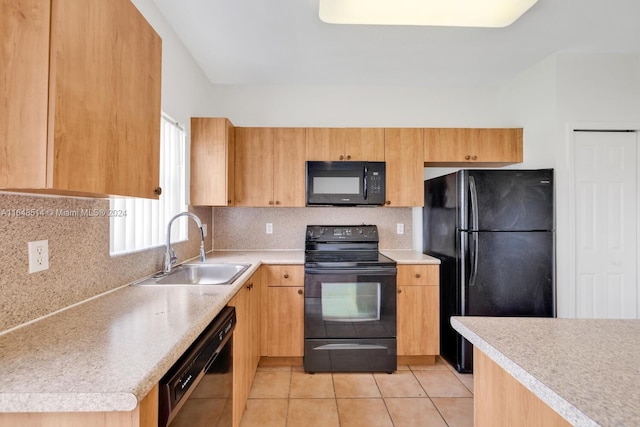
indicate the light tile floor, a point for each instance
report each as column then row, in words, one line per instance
column 414, row 396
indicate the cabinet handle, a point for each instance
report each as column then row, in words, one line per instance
column 467, row 157
column 399, row 291
column 474, row 158
column 388, row 202
column 270, row 202
column 250, row 286
column 341, row 157
column 158, row 190
column 277, row 202
column 300, row 292
column 286, row 276
column 348, row 157
column 417, row 275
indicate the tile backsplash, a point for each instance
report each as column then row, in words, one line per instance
column 80, row 265
column 245, row 228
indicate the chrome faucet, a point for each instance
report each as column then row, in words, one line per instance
column 170, row 257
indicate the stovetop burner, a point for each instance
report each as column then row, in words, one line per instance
column 343, row 246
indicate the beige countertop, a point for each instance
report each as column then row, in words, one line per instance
column 106, row 353
column 402, row 256
column 587, row 370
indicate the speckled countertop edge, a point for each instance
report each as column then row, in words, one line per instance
column 600, row 390
column 407, row 256
column 57, row 364
column 97, row 356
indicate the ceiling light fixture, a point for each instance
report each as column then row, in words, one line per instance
column 454, row 13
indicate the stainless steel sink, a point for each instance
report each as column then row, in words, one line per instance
column 201, row 274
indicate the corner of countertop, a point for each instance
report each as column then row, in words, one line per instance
column 409, row 256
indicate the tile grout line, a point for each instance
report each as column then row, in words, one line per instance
column 444, row 420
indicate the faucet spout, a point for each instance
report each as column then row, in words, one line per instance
column 169, row 254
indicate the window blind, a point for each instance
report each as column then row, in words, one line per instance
column 145, row 223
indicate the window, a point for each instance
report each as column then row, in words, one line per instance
column 145, row 224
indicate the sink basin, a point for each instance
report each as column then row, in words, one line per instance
column 203, row 274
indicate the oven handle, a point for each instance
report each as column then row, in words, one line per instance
column 351, row 346
column 371, row 271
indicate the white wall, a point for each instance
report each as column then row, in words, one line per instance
column 563, row 91
column 345, row 106
column 185, row 88
column 593, row 91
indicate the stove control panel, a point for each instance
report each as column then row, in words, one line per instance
column 342, row 232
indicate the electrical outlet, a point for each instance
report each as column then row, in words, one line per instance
column 269, row 228
column 38, row 256
column 400, row 228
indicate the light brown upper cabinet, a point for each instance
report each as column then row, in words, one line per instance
column 461, row 146
column 79, row 98
column 270, row 167
column 345, row 144
column 405, row 168
column 212, row 161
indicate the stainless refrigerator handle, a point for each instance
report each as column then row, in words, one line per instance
column 474, row 230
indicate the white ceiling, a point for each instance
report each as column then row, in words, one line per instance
column 283, row 42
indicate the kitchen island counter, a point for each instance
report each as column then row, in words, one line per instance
column 586, row 370
column 106, row 353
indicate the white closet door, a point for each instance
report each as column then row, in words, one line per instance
column 606, row 224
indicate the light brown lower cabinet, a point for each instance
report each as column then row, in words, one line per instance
column 499, row 400
column 283, row 310
column 246, row 343
column 418, row 310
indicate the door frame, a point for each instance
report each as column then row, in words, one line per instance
column 569, row 289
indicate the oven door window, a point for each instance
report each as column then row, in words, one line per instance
column 351, row 302
column 349, row 305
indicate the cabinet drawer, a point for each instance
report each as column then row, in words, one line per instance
column 284, row 275
column 418, row 275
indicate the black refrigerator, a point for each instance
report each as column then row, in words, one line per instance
column 493, row 231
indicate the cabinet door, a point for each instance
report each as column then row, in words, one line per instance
column 212, row 161
column 418, row 310
column 488, row 146
column 285, row 321
column 283, row 310
column 246, row 342
column 362, row 143
column 79, row 98
column 255, row 320
column 405, row 168
column 104, row 100
column 283, row 275
column 289, row 154
column 499, row 145
column 419, row 275
column 345, row 144
column 322, row 145
column 24, row 76
column 241, row 353
column 254, row 167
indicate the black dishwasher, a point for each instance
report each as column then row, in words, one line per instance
column 197, row 389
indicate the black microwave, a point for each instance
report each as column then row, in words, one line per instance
column 345, row 183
